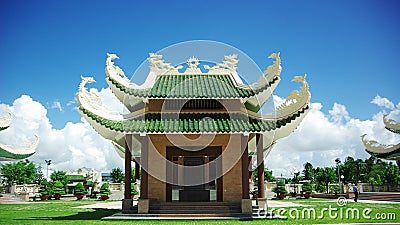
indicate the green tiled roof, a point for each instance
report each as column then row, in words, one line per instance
column 192, row 86
column 191, row 123
column 9, row 155
column 75, row 177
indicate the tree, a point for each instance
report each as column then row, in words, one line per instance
column 308, row 172
column 267, row 175
column 22, row 172
column 324, row 176
column 117, row 175
column 59, row 176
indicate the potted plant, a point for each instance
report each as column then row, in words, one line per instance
column 80, row 191
column 58, row 190
column 307, row 189
column 280, row 190
column 104, row 191
column 133, row 191
column 44, row 192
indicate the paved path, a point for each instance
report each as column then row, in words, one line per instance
column 11, row 199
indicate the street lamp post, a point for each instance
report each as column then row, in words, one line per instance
column 295, row 173
column 48, row 163
column 342, row 178
column 337, row 160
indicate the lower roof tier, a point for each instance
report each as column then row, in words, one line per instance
column 192, row 122
column 9, row 156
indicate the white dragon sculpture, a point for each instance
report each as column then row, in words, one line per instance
column 5, row 120
column 91, row 100
column 296, row 100
column 391, row 124
column 275, row 69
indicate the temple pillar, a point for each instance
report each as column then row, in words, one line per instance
column 245, row 170
column 144, row 181
column 127, row 202
column 260, row 167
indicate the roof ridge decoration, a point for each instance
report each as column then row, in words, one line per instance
column 5, row 121
column 92, row 101
column 296, row 99
column 391, row 124
column 115, row 71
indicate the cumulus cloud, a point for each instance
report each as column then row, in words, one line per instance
column 74, row 146
column 321, row 138
column 383, row 102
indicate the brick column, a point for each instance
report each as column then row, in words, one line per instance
column 144, row 181
column 260, row 167
column 245, row 168
column 127, row 202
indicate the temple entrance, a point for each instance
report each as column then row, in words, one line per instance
column 198, row 175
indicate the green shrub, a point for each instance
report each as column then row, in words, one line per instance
column 133, row 190
column 79, row 189
column 104, row 190
column 58, row 188
column 280, row 188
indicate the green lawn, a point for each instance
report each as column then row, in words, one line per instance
column 62, row 212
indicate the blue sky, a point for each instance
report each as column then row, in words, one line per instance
column 349, row 49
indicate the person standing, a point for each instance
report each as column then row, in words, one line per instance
column 356, row 192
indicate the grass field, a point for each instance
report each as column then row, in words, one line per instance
column 62, row 212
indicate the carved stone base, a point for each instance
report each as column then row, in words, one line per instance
column 246, row 206
column 143, row 206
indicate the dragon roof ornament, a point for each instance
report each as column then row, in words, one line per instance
column 91, row 101
column 391, row 124
column 5, row 121
column 296, row 99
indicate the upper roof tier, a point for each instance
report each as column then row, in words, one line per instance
column 199, row 86
column 167, row 82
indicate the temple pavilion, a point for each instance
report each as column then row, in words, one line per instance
column 8, row 153
column 384, row 151
column 194, row 134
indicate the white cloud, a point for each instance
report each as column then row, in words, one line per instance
column 321, row 138
column 56, row 105
column 74, row 146
column 383, row 102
